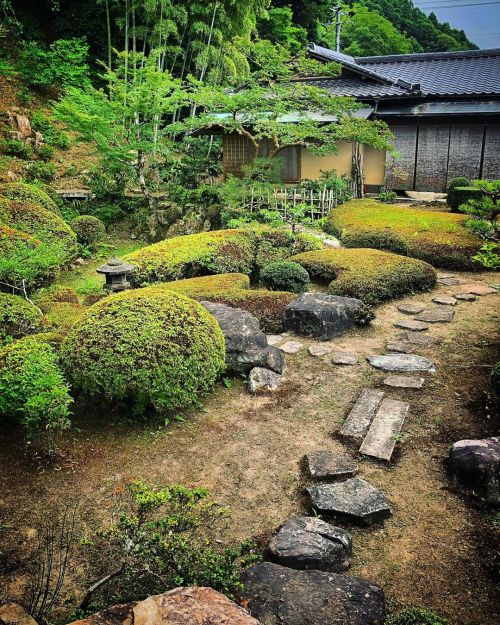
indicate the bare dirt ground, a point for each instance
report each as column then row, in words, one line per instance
column 247, row 451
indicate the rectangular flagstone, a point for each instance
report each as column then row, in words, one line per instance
column 357, row 423
column 386, row 425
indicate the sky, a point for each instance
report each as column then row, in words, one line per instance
column 480, row 20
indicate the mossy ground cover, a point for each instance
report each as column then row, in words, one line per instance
column 439, row 238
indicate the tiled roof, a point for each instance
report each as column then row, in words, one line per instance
column 358, row 88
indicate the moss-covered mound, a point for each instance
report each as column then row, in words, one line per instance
column 46, row 297
column 221, row 251
column 370, row 275
column 439, row 238
column 89, row 230
column 29, row 193
column 18, row 317
column 148, row 347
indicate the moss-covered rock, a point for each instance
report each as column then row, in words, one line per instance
column 370, row 275
column 18, row 317
column 29, row 193
column 149, row 347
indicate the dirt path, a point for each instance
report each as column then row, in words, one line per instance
column 247, row 451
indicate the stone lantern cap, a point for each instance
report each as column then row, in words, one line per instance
column 115, row 266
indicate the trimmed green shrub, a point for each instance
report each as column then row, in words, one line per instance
column 459, row 181
column 461, row 195
column 32, row 386
column 285, row 276
column 19, row 149
column 29, row 193
column 62, row 316
column 89, row 230
column 148, row 347
column 370, row 275
column 439, row 238
column 18, row 317
column 45, row 153
column 416, row 616
column 39, row 171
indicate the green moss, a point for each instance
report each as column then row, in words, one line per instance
column 439, row 238
column 416, row 616
column 62, row 316
column 30, row 193
column 148, row 347
column 18, row 317
column 54, row 294
column 370, row 275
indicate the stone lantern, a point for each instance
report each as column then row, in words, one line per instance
column 116, row 273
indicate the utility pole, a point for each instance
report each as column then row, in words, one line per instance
column 337, row 12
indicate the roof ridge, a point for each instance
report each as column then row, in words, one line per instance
column 428, row 56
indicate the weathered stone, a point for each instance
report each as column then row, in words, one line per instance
column 384, row 430
column 403, row 381
column 411, row 324
column 344, row 358
column 436, row 315
column 445, row 301
column 476, row 465
column 465, row 297
column 401, row 362
column 291, row 347
column 262, row 380
column 479, row 289
column 23, row 123
column 326, row 464
column 14, row 614
column 444, row 276
column 449, row 281
column 412, row 308
column 320, row 350
column 355, row 499
column 246, row 344
column 416, row 338
column 357, row 423
column 310, row 543
column 279, row 595
column 181, row 606
column 274, row 339
column 401, row 347
column 320, row 315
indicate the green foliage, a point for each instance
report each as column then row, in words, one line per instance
column 278, row 27
column 461, row 195
column 19, row 149
column 47, row 296
column 52, row 135
column 489, row 256
column 38, row 171
column 370, row 275
column 89, row 230
column 32, row 387
column 28, row 193
column 285, row 276
column 385, row 195
column 148, row 348
column 459, row 181
column 416, row 616
column 45, row 152
column 18, row 317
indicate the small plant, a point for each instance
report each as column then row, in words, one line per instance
column 489, row 256
column 52, row 135
column 459, row 181
column 364, row 315
column 386, row 195
column 45, row 153
column 89, row 230
column 19, row 149
column 416, row 616
column 37, row 171
column 285, row 276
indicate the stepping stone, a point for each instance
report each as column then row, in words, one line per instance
column 411, row 324
column 274, row 339
column 307, row 543
column 413, row 308
column 445, row 301
column 479, row 289
column 355, row 499
column 262, row 380
column 357, row 423
column 386, row 426
column 319, row 350
column 401, row 363
column 417, row 339
column 449, row 281
column 444, row 276
column 291, row 347
column 465, row 297
column 400, row 347
column 403, row 381
column 436, row 315
column 329, row 464
column 344, row 358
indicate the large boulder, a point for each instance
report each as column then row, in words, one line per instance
column 246, row 344
column 182, row 606
column 14, row 614
column 277, row 595
column 321, row 316
column 476, row 466
column 310, row 543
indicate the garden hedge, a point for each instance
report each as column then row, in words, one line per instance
column 370, row 275
column 18, row 317
column 148, row 347
column 439, row 238
column 29, row 193
column 89, row 230
column 460, row 195
column 285, row 275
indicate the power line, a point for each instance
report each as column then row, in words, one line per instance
column 458, row 6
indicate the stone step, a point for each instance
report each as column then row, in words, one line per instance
column 386, row 426
column 357, row 423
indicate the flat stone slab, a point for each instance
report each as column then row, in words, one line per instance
column 412, row 308
column 344, row 358
column 274, row 339
column 445, row 301
column 417, row 339
column 307, row 543
column 262, row 380
column 403, row 381
column 386, row 425
column 320, row 350
column 449, row 281
column 465, row 297
column 291, row 347
column 436, row 315
column 357, row 423
column 326, row 464
column 355, row 499
column 444, row 276
column 479, row 289
column 401, row 363
column 412, row 324
column 401, row 347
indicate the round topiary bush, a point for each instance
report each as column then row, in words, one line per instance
column 89, row 230
column 29, row 193
column 18, row 317
column 285, row 276
column 149, row 347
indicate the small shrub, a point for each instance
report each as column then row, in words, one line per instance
column 29, row 193
column 38, row 170
column 19, row 149
column 89, row 230
column 489, row 256
column 386, row 195
column 461, row 195
column 18, row 317
column 285, row 276
column 364, row 315
column 45, row 153
column 416, row 616
column 459, row 181
column 148, row 347
column 52, row 135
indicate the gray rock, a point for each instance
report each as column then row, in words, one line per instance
column 358, row 421
column 355, row 499
column 263, row 380
column 319, row 350
column 385, row 429
column 291, row 347
column 465, row 297
column 444, row 276
column 403, row 381
column 309, row 543
column 319, row 315
column 401, row 363
column 411, row 324
column 279, row 595
column 274, row 339
column 412, row 308
column 445, row 301
column 326, row 464
column 479, row 289
column 246, row 344
column 401, row 347
column 449, row 281
column 344, row 358
column 476, row 466
column 415, row 338
column 436, row 315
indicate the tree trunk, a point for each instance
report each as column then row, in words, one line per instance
column 141, row 175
